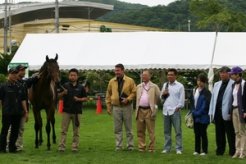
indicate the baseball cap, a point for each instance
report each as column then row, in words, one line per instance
column 236, row 70
column 20, row 67
column 13, row 71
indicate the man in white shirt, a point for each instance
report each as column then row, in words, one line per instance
column 173, row 95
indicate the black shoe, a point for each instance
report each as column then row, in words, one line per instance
column 231, row 153
column 219, row 154
column 12, row 150
column 2, row 151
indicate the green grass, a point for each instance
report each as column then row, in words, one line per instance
column 97, row 145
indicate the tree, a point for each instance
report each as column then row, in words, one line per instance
column 4, row 62
column 103, row 28
column 216, row 16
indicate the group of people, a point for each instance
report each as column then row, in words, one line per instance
column 121, row 92
column 225, row 106
column 228, row 111
column 14, row 102
column 15, row 108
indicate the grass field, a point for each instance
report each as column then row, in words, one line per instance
column 97, row 145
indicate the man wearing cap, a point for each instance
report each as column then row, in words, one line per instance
column 220, row 105
column 25, row 84
column 13, row 101
column 238, row 111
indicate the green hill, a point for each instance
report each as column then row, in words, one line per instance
column 174, row 17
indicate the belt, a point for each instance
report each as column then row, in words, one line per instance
column 144, row 107
column 234, row 107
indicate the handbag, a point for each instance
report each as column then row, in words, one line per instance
column 189, row 122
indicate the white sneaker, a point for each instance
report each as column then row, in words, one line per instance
column 164, row 152
column 178, row 152
column 202, row 154
column 61, row 149
column 195, row 153
column 242, row 156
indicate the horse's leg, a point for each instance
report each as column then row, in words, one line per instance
column 36, row 127
column 40, row 130
column 53, row 126
column 48, row 129
column 37, row 117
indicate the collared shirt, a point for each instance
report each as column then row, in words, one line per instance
column 176, row 98
column 218, row 109
column 196, row 96
column 12, row 95
column 234, row 93
column 70, row 105
column 144, row 99
column 221, row 93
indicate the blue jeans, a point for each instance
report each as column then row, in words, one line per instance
column 174, row 120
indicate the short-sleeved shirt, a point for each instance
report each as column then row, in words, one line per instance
column 12, row 95
column 70, row 105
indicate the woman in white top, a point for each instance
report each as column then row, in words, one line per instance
column 238, row 111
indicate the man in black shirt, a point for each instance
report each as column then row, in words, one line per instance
column 219, row 112
column 13, row 101
column 73, row 96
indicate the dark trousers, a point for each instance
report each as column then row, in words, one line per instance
column 201, row 137
column 224, row 129
column 14, row 122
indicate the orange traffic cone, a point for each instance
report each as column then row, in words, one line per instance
column 99, row 105
column 60, row 106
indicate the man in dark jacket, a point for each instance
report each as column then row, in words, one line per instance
column 13, row 101
column 73, row 96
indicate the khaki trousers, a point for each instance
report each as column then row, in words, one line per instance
column 144, row 120
column 240, row 132
column 19, row 142
column 66, row 118
column 123, row 115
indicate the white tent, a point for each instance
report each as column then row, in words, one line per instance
column 231, row 49
column 136, row 50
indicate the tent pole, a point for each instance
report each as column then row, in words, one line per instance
column 57, row 16
column 211, row 71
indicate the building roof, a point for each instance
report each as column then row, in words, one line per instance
column 67, row 9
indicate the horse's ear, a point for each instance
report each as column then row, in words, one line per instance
column 47, row 58
column 56, row 57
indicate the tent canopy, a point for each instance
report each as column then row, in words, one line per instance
column 136, row 50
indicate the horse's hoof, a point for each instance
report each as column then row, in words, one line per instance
column 40, row 143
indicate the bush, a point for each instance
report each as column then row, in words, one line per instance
column 2, row 78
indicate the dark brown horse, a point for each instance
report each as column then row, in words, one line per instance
column 43, row 96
